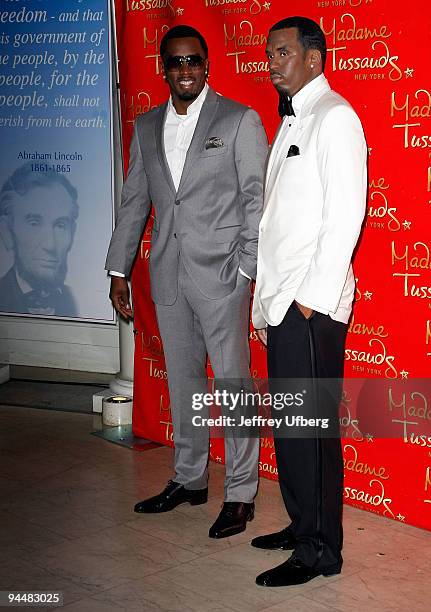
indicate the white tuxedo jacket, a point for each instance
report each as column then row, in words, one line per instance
column 313, row 211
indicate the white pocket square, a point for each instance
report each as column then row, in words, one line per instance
column 214, row 143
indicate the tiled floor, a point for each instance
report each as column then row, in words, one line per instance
column 67, row 523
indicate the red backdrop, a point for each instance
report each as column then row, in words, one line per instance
column 378, row 57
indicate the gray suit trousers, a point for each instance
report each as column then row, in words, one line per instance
column 191, row 328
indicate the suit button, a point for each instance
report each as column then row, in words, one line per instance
column 177, row 202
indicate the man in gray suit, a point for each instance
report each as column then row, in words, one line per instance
column 199, row 158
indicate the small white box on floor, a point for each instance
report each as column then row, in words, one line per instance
column 98, row 400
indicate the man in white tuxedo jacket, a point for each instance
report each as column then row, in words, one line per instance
column 315, row 196
column 199, row 159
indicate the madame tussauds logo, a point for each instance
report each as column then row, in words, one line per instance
column 352, row 463
column 349, row 426
column 415, row 411
column 223, row 2
column 149, row 5
column 375, row 498
column 412, row 110
column 165, row 418
column 347, row 30
column 152, row 44
column 136, row 105
column 379, row 358
column 415, row 260
column 379, row 208
column 239, row 38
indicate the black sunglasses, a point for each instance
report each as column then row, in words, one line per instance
column 174, row 62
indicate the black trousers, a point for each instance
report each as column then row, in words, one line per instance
column 310, row 469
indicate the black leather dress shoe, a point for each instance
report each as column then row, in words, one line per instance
column 292, row 572
column 232, row 519
column 172, row 496
column 280, row 540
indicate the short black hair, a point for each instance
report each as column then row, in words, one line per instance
column 182, row 31
column 24, row 179
column 310, row 34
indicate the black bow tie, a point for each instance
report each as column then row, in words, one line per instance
column 38, row 298
column 285, row 106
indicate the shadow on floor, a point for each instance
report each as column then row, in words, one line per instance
column 68, row 397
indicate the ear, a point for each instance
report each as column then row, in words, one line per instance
column 162, row 68
column 315, row 59
column 207, row 67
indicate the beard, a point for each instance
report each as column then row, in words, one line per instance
column 38, row 282
column 188, row 96
column 281, row 90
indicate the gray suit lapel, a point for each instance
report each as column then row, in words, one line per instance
column 206, row 116
column 160, row 143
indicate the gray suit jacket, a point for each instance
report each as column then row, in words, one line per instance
column 211, row 222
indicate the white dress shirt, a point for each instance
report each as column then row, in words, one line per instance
column 278, row 152
column 23, row 284
column 277, row 156
column 178, row 134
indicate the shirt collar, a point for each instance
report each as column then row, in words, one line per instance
column 23, row 284
column 304, row 94
column 194, row 108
